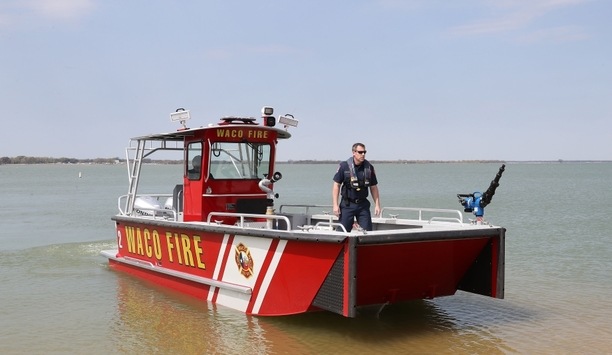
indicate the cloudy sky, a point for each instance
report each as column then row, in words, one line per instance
column 413, row 79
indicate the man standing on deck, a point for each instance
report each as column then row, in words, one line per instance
column 352, row 181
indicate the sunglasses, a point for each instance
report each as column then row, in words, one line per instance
column 361, row 151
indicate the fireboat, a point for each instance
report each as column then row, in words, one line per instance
column 218, row 236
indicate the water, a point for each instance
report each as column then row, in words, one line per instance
column 57, row 294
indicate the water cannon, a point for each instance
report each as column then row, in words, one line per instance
column 265, row 182
column 477, row 201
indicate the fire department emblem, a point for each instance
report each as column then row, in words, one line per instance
column 244, row 261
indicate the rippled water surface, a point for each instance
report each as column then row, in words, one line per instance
column 58, row 295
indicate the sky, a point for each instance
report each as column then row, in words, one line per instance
column 412, row 79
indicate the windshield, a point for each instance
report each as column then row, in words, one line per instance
column 229, row 160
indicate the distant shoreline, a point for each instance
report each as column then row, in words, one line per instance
column 23, row 160
column 403, row 161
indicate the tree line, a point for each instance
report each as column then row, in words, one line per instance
column 63, row 160
column 49, row 160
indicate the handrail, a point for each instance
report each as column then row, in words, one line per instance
column 121, row 211
column 445, row 219
column 430, row 210
column 331, row 225
column 307, row 207
column 419, row 210
column 242, row 216
column 163, row 212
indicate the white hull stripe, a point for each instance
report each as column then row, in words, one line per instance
column 278, row 253
column 218, row 264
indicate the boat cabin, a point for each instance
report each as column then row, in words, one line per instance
column 228, row 167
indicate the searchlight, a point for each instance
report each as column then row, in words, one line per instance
column 180, row 115
column 266, row 114
column 288, row 120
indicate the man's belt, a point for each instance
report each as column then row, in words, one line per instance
column 357, row 200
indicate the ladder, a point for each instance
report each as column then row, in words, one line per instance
column 133, row 164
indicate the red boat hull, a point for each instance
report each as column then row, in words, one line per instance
column 281, row 273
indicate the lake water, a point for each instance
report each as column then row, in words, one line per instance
column 58, row 296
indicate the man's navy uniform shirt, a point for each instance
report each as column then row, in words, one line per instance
column 340, row 177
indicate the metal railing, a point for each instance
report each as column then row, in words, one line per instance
column 306, row 207
column 421, row 211
column 241, row 218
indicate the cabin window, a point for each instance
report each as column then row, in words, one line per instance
column 194, row 161
column 231, row 160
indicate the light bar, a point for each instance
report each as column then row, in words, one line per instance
column 288, row 120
